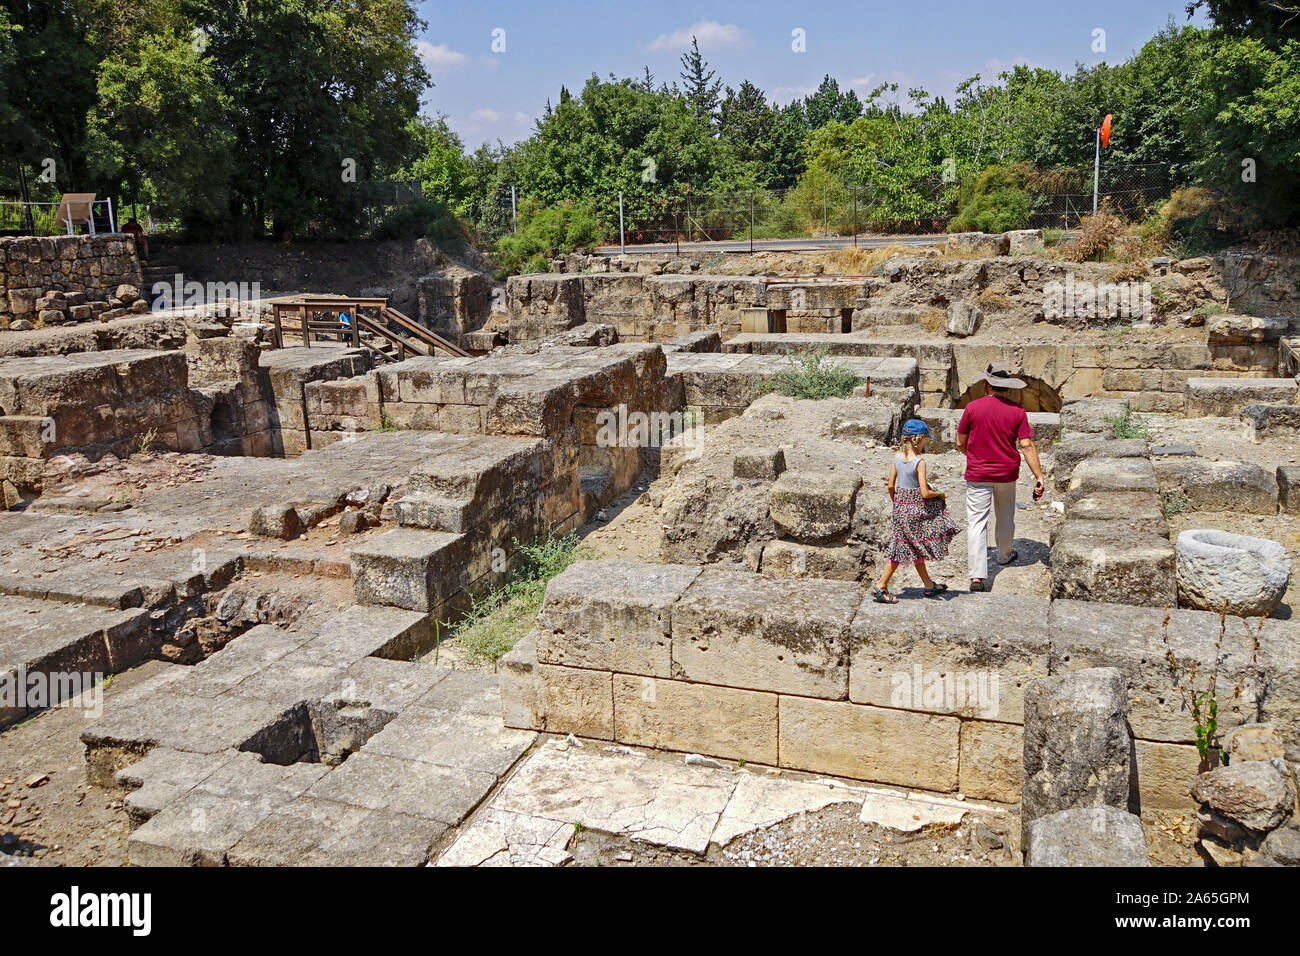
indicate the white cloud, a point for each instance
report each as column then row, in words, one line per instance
column 784, row 94
column 488, row 125
column 440, row 58
column 710, row 34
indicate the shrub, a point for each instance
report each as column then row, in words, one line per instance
column 998, row 202
column 1192, row 221
column 422, row 219
column 810, row 376
column 1093, row 240
column 545, row 233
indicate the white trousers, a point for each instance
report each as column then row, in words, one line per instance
column 982, row 497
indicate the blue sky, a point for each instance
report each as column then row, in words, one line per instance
column 489, row 95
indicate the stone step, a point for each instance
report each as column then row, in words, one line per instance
column 52, row 652
column 416, row 569
column 1226, row 397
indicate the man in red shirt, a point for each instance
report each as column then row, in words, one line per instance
column 993, row 433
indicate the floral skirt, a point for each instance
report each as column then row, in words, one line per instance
column 922, row 528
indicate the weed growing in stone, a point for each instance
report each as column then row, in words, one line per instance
column 496, row 622
column 1176, row 502
column 1128, row 424
column 811, row 376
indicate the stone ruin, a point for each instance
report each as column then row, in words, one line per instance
column 174, row 490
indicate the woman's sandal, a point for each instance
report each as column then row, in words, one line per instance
column 938, row 588
column 977, row 584
column 883, row 596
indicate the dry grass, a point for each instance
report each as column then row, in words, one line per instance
column 991, row 300
column 932, row 320
column 1093, row 239
column 860, row 262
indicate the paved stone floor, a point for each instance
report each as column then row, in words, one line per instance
column 584, row 802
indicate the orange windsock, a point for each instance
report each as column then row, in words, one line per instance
column 1105, row 132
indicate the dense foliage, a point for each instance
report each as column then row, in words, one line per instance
column 284, row 117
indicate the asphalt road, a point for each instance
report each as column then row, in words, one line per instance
column 773, row 245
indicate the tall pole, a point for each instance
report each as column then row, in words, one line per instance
column 855, row 217
column 751, row 222
column 514, row 211
column 622, row 242
column 1096, row 170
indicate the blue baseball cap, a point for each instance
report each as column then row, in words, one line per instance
column 914, row 426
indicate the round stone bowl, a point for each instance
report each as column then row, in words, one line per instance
column 1250, row 574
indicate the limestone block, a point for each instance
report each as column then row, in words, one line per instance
column 697, row 718
column 1226, row 397
column 991, row 761
column 1163, row 662
column 612, row 615
column 811, row 506
column 1220, row 485
column 574, row 701
column 870, row 743
column 1076, row 743
column 1114, row 561
column 739, row 629
column 971, row 660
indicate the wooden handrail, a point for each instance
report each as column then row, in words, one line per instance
column 419, row 331
column 418, row 334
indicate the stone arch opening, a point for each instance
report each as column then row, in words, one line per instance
column 1037, row 397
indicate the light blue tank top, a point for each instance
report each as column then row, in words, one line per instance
column 906, row 472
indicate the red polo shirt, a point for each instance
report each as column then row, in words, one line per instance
column 993, row 426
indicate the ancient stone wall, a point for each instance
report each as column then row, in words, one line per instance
column 931, row 695
column 90, row 268
column 454, row 303
column 1153, row 378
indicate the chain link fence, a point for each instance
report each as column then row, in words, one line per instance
column 839, row 214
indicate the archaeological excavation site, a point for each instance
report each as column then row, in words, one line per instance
column 584, row 569
column 797, row 438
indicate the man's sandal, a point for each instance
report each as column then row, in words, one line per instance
column 938, row 588
column 883, row 596
column 977, row 584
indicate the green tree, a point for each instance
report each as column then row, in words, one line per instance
column 321, row 97
column 444, row 171
column 699, row 85
column 50, row 85
column 158, row 133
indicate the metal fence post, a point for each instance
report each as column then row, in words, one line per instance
column 826, row 232
column 677, row 229
column 751, row 222
column 514, row 211
column 855, row 217
column 622, row 241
